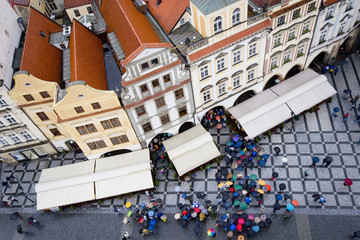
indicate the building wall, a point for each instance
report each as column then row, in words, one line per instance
column 331, row 31
column 296, row 48
column 107, row 107
column 186, row 18
column 134, row 79
column 82, row 11
column 10, row 33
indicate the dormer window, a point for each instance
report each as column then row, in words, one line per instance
column 218, row 24
column 236, row 16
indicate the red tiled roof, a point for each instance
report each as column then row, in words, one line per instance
column 86, row 57
column 19, row 2
column 261, row 3
column 205, row 51
column 40, row 58
column 131, row 27
column 329, row 2
column 288, row 8
column 168, row 13
column 75, row 3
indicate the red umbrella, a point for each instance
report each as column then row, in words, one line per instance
column 348, row 182
column 184, row 213
column 197, row 210
column 295, row 203
column 239, row 227
column 232, row 189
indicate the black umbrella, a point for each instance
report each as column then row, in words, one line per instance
column 246, row 161
column 287, row 196
column 208, row 202
column 254, row 193
column 277, row 150
column 282, row 186
column 262, row 224
column 180, row 206
column 277, row 206
column 15, row 216
column 232, row 220
column 275, row 175
column 329, row 159
column 224, row 171
column 226, row 159
column 347, row 91
column 251, row 233
column 268, row 221
column 186, row 207
column 244, row 215
column 247, row 223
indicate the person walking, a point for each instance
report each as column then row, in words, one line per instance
column 345, row 117
column 307, row 173
column 355, row 234
column 316, row 197
column 327, row 161
column 125, row 236
column 315, row 160
column 335, row 71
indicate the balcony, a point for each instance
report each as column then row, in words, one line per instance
column 295, row 16
column 286, row 60
column 277, row 44
column 306, row 31
column 299, row 55
column 311, row 9
column 328, row 17
column 349, row 8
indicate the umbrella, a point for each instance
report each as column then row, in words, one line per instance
column 262, row 224
column 232, row 189
column 232, row 227
column 247, row 223
column 247, row 200
column 261, row 182
column 251, row 217
column 253, row 177
column 278, row 197
column 282, row 186
column 234, row 165
column 227, row 159
column 15, row 215
column 151, row 228
column 287, row 196
column 336, row 109
column 277, row 206
column 184, row 213
column 257, row 220
column 239, row 227
column 295, row 203
column 177, row 189
column 244, row 192
column 316, row 159
column 284, row 159
column 247, row 154
column 243, row 206
column 241, row 221
column 253, row 184
column 129, row 213
column 229, row 183
column 348, row 182
column 177, row 216
column 229, row 144
column 274, row 174
column 347, row 91
column 236, row 203
column 277, row 149
column 128, row 204
column 195, row 205
column 184, row 195
column 256, row 228
column 262, row 162
column 220, row 185
column 254, row 194
column 242, row 181
column 152, row 222
column 227, row 205
column 268, row 221
column 224, row 171
column 194, row 215
column 267, row 187
column 233, row 178
column 229, row 175
column 244, row 215
column 260, row 191
column 202, row 216
column 265, row 156
column 289, row 207
column 263, row 217
column 151, row 213
column 238, row 187
column 197, row 210
column 261, row 152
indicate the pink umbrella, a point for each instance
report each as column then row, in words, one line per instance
column 348, row 182
column 241, row 221
column 251, row 217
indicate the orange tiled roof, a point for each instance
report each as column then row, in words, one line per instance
column 288, row 8
column 329, row 2
column 86, row 57
column 131, row 27
column 208, row 50
column 75, row 3
column 40, row 58
column 261, row 3
column 168, row 13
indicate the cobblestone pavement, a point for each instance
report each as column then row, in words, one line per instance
column 316, row 134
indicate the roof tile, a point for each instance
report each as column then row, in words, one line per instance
column 40, row 58
column 288, row 8
column 329, row 2
column 75, row 3
column 212, row 48
column 86, row 57
column 168, row 13
column 261, row 3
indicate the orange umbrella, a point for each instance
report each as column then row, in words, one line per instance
column 217, row 117
column 267, row 187
column 295, row 203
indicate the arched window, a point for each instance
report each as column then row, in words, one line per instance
column 217, row 24
column 236, row 16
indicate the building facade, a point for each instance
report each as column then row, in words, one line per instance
column 77, row 9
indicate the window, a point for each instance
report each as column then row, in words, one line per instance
column 179, row 93
column 2, row 102
column 236, row 16
column 349, row 5
column 182, row 21
column 252, row 49
column 330, row 12
column 55, row 132
column 251, row 75
column 280, row 20
column 217, row 24
column 42, row 116
column 1, row 124
column 236, row 81
column 222, row 88
column 237, row 56
column 306, row 27
column 296, row 14
column 182, row 111
column 341, row 28
column 287, row 56
column 10, row 119
column 300, row 51
column 155, row 83
column 79, row 109
column 206, row 96
column 274, row 63
column 155, row 61
column 144, row 66
column 77, row 13
column 89, row 9
column 277, row 40
column 14, row 138
column 44, row 94
column 96, row 144
column 165, row 119
column 119, row 139
column 96, row 105
column 42, row 34
column 26, row 136
column 88, row 128
column 322, row 36
column 147, row 127
column 51, row 4
column 311, row 7
column 140, row 110
column 4, row 142
column 160, row 102
column 204, row 72
column 220, row 64
column 291, row 34
column 167, row 78
column 110, row 123
column 144, row 88
column 28, row 97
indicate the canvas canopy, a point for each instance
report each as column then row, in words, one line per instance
column 94, row 179
column 190, row 149
column 276, row 104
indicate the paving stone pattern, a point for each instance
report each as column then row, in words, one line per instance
column 316, row 134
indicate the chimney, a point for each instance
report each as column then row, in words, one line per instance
column 140, row 5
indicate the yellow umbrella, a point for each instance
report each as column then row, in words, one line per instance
column 261, row 182
column 229, row 183
column 220, row 185
column 128, row 204
column 260, row 191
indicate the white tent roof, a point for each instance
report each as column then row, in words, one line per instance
column 273, row 106
column 190, row 149
column 94, row 179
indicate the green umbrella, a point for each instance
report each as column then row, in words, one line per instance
column 258, row 158
column 253, row 177
column 238, row 187
column 228, row 144
column 243, row 206
column 236, row 203
column 129, row 213
column 233, row 178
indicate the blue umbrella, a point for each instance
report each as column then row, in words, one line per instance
column 242, row 152
column 151, row 228
column 262, row 162
column 240, row 169
column 256, row 228
column 232, row 227
column 289, row 207
column 254, row 193
column 253, row 184
column 316, row 159
column 248, row 200
column 152, row 222
column 265, row 156
column 224, row 217
column 151, row 213
column 246, row 177
column 238, row 144
column 184, row 195
column 336, row 109
column 241, row 181
column 235, row 194
column 254, row 154
column 279, row 197
column 236, row 138
column 185, row 217
column 251, row 147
